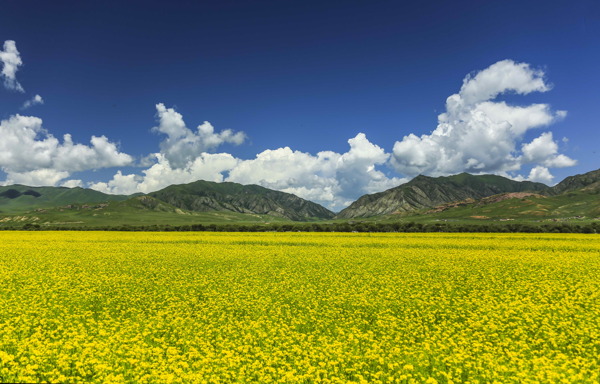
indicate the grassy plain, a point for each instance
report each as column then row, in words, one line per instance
column 299, row 307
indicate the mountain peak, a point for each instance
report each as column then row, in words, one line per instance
column 428, row 192
column 205, row 196
column 573, row 183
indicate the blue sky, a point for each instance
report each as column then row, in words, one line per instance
column 320, row 98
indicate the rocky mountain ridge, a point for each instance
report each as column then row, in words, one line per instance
column 430, row 192
column 205, row 196
column 423, row 196
column 589, row 180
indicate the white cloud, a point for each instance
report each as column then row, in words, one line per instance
column 160, row 175
column 329, row 178
column 37, row 177
column 183, row 145
column 479, row 135
column 541, row 175
column 11, row 61
column 476, row 134
column 72, row 183
column 37, row 99
column 29, row 154
column 544, row 150
column 560, row 161
column 120, row 184
column 521, row 119
column 501, row 77
column 540, row 149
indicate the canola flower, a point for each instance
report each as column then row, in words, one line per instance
column 109, row 307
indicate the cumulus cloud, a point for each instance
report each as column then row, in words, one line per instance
column 182, row 145
column 36, row 177
column 72, row 183
column 501, row 77
column 540, row 174
column 329, row 178
column 544, row 150
column 206, row 166
column 479, row 135
column 37, row 99
column 11, row 61
column 30, row 155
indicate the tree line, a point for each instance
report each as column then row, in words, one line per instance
column 333, row 227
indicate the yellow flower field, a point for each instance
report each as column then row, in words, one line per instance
column 299, row 308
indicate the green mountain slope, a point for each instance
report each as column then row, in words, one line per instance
column 576, row 205
column 138, row 211
column 201, row 201
column 460, row 198
column 428, row 192
column 15, row 198
column 589, row 180
column 577, row 198
column 206, row 196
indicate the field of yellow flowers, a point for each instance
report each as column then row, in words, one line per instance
column 299, row 308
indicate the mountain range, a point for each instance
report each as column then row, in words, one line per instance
column 428, row 192
column 205, row 196
column 200, row 201
column 486, row 197
column 458, row 197
column 17, row 198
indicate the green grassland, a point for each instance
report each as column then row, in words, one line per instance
column 573, row 207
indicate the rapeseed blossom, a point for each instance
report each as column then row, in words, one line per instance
column 109, row 307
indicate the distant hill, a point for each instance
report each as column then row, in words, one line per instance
column 589, row 181
column 218, row 202
column 462, row 198
column 579, row 205
column 16, row 198
column 139, row 211
column 577, row 198
column 206, row 196
column 429, row 192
